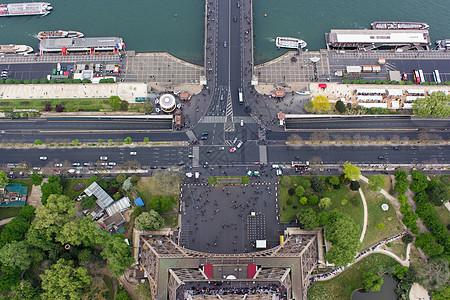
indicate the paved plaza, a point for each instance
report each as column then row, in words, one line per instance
column 219, row 219
column 161, row 70
column 293, row 68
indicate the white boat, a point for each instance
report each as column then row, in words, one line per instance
column 291, row 43
column 15, row 49
column 54, row 34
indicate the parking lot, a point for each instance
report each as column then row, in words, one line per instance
column 218, row 219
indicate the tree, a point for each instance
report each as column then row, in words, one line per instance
column 134, row 179
column 75, row 142
column 303, row 200
column 400, row 175
column 321, row 104
column 124, row 105
column 88, row 202
column 63, row 281
column 354, row 185
column 313, row 200
column 36, row 179
column 100, row 141
column 407, row 238
column 15, row 229
column 299, row 191
column 306, row 184
column 434, row 274
column 59, row 108
column 322, row 218
column 3, row 179
column 307, row 218
column 325, row 203
column 441, row 294
column 118, row 254
column 294, row 139
column 317, row 184
column 334, row 180
column 19, row 255
column 376, row 182
column 340, row 107
column 38, row 142
column 121, row 178
column 128, row 140
column 161, row 204
column 400, row 271
column 47, row 107
column 401, row 186
column 418, row 186
column 115, row 102
column 428, row 244
column 51, row 187
column 149, row 221
column 410, row 221
column 146, row 139
column 351, row 172
column 344, row 235
column 381, row 226
column 438, row 192
column 24, row 291
column 423, row 210
column 371, row 282
column 435, row 105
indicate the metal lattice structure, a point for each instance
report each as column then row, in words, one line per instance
column 170, row 266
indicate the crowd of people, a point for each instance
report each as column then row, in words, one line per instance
column 212, row 289
column 359, row 256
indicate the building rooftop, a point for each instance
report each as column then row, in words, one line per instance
column 379, row 36
column 103, row 199
column 116, row 219
column 118, row 206
column 81, row 43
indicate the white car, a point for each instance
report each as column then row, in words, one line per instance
column 58, row 165
column 242, row 123
column 103, row 157
column 239, row 144
column 43, row 158
column 133, row 153
column 112, row 163
column 76, row 164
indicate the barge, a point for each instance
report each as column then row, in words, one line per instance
column 25, row 9
column 390, row 25
column 56, row 34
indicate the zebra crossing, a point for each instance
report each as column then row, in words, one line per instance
column 213, row 119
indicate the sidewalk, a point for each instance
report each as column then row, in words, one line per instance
column 35, row 198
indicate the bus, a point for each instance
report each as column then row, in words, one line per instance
column 437, row 77
column 422, row 78
column 241, row 98
column 416, row 77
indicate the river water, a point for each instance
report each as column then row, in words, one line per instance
column 177, row 26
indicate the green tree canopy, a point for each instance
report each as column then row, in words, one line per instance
column 313, row 200
column 149, row 221
column 299, row 191
column 334, row 180
column 3, row 179
column 351, row 172
column 325, row 203
column 372, row 282
column 52, row 187
column 401, row 186
column 162, row 203
column 121, row 178
column 340, row 107
column 376, row 182
column 16, row 255
column 115, row 102
column 437, row 192
column 428, row 244
column 63, row 281
column 36, row 179
column 118, row 254
column 401, row 175
column 307, row 218
column 435, row 105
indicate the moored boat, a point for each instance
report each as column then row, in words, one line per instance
column 392, row 25
column 25, row 9
column 291, row 43
column 55, row 34
column 15, row 49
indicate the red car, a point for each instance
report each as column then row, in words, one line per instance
column 232, row 149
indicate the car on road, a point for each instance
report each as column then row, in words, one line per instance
column 163, row 167
column 224, row 44
column 238, row 4
column 205, row 133
column 242, row 123
column 233, row 150
column 181, row 163
column 204, row 138
column 103, row 157
column 43, row 158
column 239, row 145
column 221, row 148
column 154, row 167
column 191, row 156
column 381, row 157
column 133, row 153
column 58, row 165
column 235, row 140
column 234, row 19
column 112, row 163
column 209, row 151
column 404, row 77
column 76, row 164
column 86, row 164
column 396, row 148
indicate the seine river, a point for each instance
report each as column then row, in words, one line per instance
column 177, row 26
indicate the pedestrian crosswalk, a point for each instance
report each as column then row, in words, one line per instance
column 213, row 119
column 263, row 154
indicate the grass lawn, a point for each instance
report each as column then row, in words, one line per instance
column 398, row 248
column 288, row 212
column 84, row 104
column 342, row 286
column 212, row 180
column 68, row 187
column 24, row 182
column 161, row 184
column 377, row 215
column 9, row 212
column 443, row 214
column 171, row 220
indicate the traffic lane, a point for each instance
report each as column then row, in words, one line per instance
column 146, row 156
column 66, row 137
column 223, row 36
column 213, row 131
column 374, row 135
column 248, row 153
column 39, row 124
column 359, row 154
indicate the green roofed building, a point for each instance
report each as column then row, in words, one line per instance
column 13, row 194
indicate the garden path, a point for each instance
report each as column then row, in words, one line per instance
column 366, row 215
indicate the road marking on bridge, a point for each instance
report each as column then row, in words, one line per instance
column 263, row 154
column 229, row 124
column 213, row 119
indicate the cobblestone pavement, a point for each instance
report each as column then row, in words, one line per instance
column 161, row 68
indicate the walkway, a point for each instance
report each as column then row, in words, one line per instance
column 35, row 197
column 366, row 215
column 5, row 221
